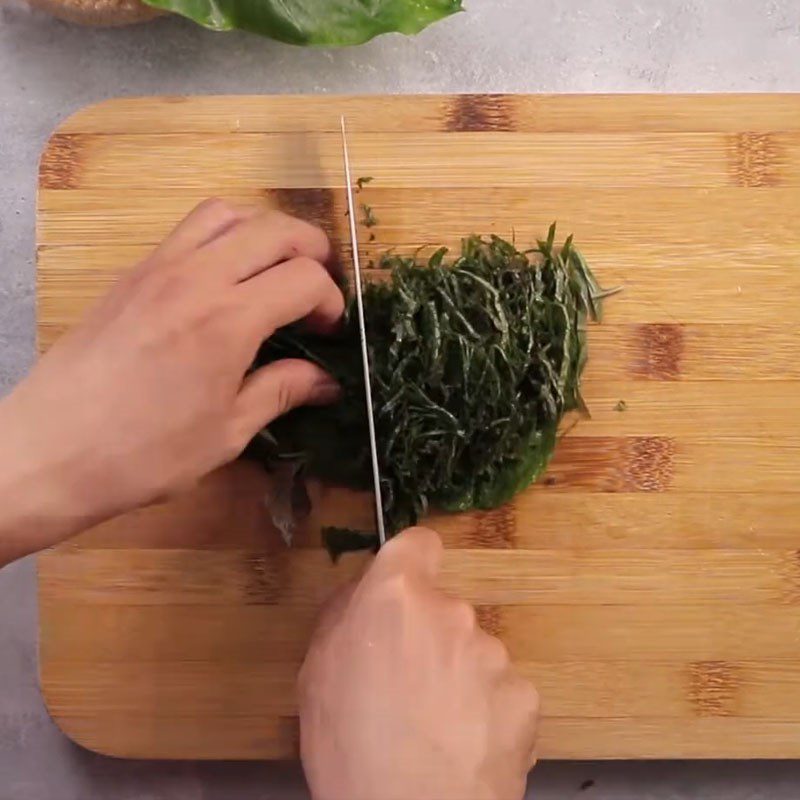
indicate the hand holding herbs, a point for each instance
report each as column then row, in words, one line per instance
column 402, row 695
column 153, row 389
column 474, row 364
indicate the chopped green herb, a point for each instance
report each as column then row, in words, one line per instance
column 362, row 182
column 369, row 220
column 372, row 237
column 345, row 540
column 474, row 364
column 621, row 406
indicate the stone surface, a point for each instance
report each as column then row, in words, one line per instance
column 48, row 69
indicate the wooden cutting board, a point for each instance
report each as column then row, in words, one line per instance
column 650, row 585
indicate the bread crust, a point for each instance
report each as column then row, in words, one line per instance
column 99, row 13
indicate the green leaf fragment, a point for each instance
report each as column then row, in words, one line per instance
column 339, row 541
column 369, row 220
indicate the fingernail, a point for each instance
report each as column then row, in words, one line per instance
column 327, row 391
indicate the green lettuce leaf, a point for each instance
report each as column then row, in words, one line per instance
column 314, row 22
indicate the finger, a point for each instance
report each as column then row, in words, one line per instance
column 206, row 222
column 298, row 289
column 491, row 653
column 415, row 551
column 278, row 387
column 456, row 614
column 261, row 242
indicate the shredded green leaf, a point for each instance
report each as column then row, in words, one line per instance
column 345, row 540
column 369, row 220
column 474, row 364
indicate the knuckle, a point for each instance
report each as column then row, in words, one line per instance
column 218, row 209
column 468, row 616
column 301, row 235
column 309, row 230
column 494, row 653
column 393, row 590
column 284, row 228
column 462, row 615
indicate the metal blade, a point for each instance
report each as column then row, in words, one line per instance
column 373, row 443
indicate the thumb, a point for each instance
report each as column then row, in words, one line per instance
column 279, row 387
column 416, row 551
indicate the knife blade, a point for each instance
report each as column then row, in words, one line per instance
column 362, row 329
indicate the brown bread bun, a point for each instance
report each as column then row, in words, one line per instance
column 102, row 13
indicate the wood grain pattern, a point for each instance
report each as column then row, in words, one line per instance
column 593, row 690
column 650, row 585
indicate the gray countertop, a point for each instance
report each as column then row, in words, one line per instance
column 48, row 69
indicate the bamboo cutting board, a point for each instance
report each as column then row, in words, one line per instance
column 650, row 585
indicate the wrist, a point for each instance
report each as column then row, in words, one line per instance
column 39, row 505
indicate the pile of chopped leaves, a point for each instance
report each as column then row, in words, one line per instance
column 474, row 363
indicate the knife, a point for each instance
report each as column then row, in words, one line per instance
column 373, row 442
